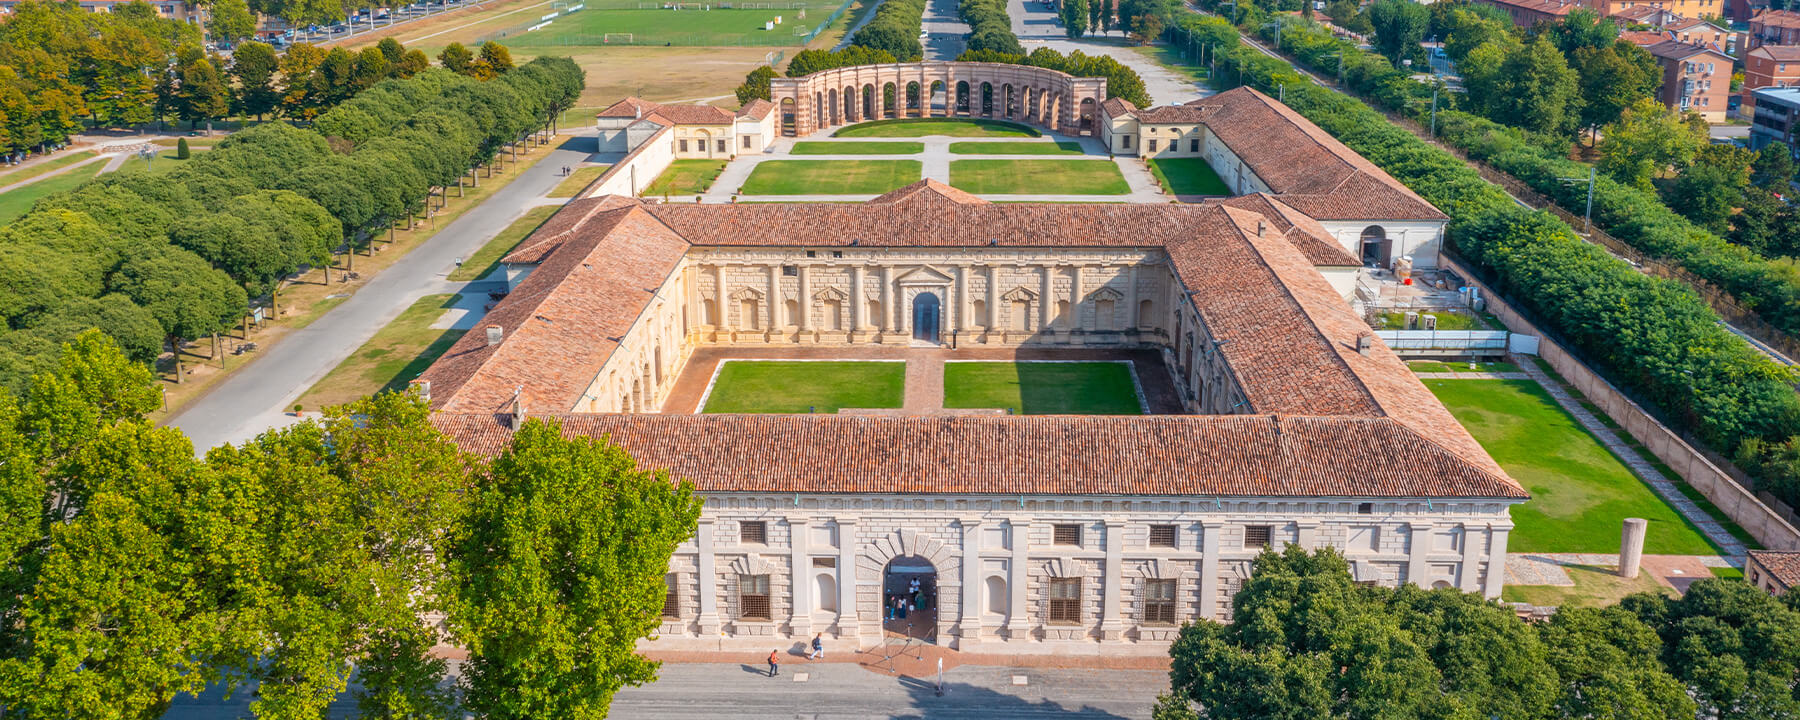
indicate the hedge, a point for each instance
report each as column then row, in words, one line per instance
column 895, row 30
column 989, row 27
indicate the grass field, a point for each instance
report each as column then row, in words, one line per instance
column 487, row 259
column 1434, row 366
column 164, row 162
column 1188, row 176
column 21, row 175
column 1579, row 491
column 922, row 127
column 703, row 28
column 576, row 181
column 798, row 387
column 685, row 177
column 830, row 177
column 977, row 147
column 18, row 201
column 1594, row 587
column 857, row 148
column 1038, row 177
column 1445, row 321
column 1042, row 388
column 396, row 355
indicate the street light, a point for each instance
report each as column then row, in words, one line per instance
column 1587, row 216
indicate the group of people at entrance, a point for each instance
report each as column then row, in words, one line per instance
column 914, row 599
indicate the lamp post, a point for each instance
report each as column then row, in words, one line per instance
column 1587, row 216
column 1434, row 96
column 1234, row 10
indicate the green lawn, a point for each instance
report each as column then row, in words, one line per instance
column 1042, row 388
column 1038, row 177
column 685, row 177
column 717, row 27
column 921, row 127
column 796, row 387
column 1445, row 321
column 830, row 177
column 21, row 175
column 1187, row 176
column 1580, row 492
column 978, row 147
column 1434, row 366
column 1594, row 586
column 487, row 259
column 577, row 181
column 16, row 202
column 164, row 162
column 885, row 147
column 391, row 359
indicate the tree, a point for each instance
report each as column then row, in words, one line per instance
column 1074, row 15
column 456, row 58
column 1582, row 28
column 1145, row 29
column 231, row 21
column 1647, row 140
column 1735, row 647
column 1706, row 194
column 1606, row 659
column 1399, row 26
column 202, row 94
column 1541, row 90
column 556, row 639
column 1774, row 166
column 187, row 296
column 1467, row 28
column 181, row 149
column 298, row 65
column 1613, row 78
column 756, row 85
column 391, row 50
column 253, row 66
column 497, row 58
column 335, row 79
column 412, row 63
column 370, row 67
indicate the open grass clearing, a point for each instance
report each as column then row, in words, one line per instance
column 685, row 177
column 979, row 147
column 389, row 360
column 1595, row 586
column 1187, row 176
column 717, row 27
column 823, row 147
column 51, row 165
column 1579, row 491
column 487, row 259
column 577, row 181
column 1038, row 177
column 830, row 177
column 1043, row 388
column 1445, row 321
column 163, row 162
column 923, row 127
column 781, row 386
column 18, row 201
column 193, row 142
column 1435, row 366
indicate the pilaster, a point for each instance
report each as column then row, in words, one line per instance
column 1018, row 583
column 1418, row 552
column 805, row 319
column 1496, row 560
column 969, row 628
column 1472, row 535
column 708, row 619
column 799, row 577
column 1110, row 624
column 1209, row 568
column 846, row 576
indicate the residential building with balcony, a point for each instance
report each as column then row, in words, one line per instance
column 1774, row 27
column 1696, row 78
column 1769, row 66
column 1776, row 117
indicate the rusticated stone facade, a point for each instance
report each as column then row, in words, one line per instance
column 1020, row 93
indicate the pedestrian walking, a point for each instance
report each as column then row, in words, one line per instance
column 774, row 665
column 818, row 652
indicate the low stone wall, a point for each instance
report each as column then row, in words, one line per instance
column 1736, row 501
column 640, row 167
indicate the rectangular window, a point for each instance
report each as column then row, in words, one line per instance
column 1194, row 145
column 1152, row 144
column 753, row 597
column 1069, row 534
column 824, row 562
column 1065, row 600
column 671, row 596
column 682, row 145
column 1162, row 536
column 1127, row 141
column 753, row 532
column 721, row 145
column 1256, row 536
column 790, row 271
column 746, row 141
column 1159, row 602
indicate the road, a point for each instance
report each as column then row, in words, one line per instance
column 1036, row 25
column 254, row 397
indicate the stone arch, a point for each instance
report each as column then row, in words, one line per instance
column 878, row 553
column 915, row 96
column 995, row 598
column 1085, row 124
column 753, row 565
column 818, row 110
column 935, row 87
column 869, row 102
column 1376, row 246
column 787, row 119
column 987, row 99
column 962, row 98
column 1065, row 568
column 1009, row 96
column 890, row 104
column 1146, row 313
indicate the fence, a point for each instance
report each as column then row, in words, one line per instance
column 1477, row 342
column 1710, row 475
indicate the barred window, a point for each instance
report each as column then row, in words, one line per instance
column 1159, row 602
column 1256, row 536
column 824, row 562
column 1065, row 600
column 753, row 532
column 671, row 596
column 1067, row 534
column 1162, row 536
column 753, row 597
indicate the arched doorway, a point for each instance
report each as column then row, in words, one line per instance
column 787, row 115
column 909, row 594
column 1375, row 246
column 927, row 312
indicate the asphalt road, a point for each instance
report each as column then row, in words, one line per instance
column 1036, row 25
column 255, row 397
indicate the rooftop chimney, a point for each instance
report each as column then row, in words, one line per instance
column 518, row 407
column 1365, row 342
column 494, row 334
column 1260, row 227
column 422, row 387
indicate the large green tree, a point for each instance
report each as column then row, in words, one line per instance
column 1648, row 140
column 1613, row 78
column 1399, row 26
column 253, row 66
column 1735, row 647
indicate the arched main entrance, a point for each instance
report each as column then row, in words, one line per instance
column 927, row 312
column 1375, row 246
column 909, row 594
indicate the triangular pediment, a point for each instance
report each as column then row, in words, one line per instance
column 924, row 275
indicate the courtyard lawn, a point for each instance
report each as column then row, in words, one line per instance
column 1445, row 321
column 1043, row 388
column 1594, row 587
column 1579, row 491
column 1038, row 177
column 396, row 355
column 978, row 147
column 685, row 177
column 487, row 259
column 1435, row 366
column 921, row 127
column 857, row 148
column 1187, row 176
column 577, row 181
column 778, row 386
column 830, row 177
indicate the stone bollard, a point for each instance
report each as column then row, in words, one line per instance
column 1631, row 546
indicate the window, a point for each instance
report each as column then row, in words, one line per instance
column 1127, row 140
column 753, row 532
column 682, row 145
column 1162, row 536
column 1153, row 145
column 1365, row 508
column 1256, row 536
column 721, row 144
column 824, row 562
column 671, row 596
column 1065, row 600
column 1069, row 534
column 753, row 597
column 746, row 141
column 1159, row 602
column 790, row 271
column 1194, row 145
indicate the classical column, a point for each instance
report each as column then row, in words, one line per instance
column 1018, row 583
column 970, row 626
column 857, row 301
column 1209, row 568
column 1471, row 555
column 1075, row 299
column 962, row 298
column 1418, row 552
column 1046, row 301
column 805, row 319
column 887, row 298
column 993, row 299
column 846, row 577
column 709, row 579
column 1110, row 624
column 1131, row 297
column 774, row 297
column 799, row 577
column 722, row 313
column 1496, row 564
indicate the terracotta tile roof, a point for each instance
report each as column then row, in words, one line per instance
column 632, row 107
column 1646, row 14
column 1642, row 38
column 1306, row 234
column 1172, row 115
column 927, row 187
column 1117, row 107
column 1220, row 455
column 757, row 109
column 1778, row 53
column 1549, row 7
column 1777, row 18
column 1677, row 50
column 1783, row 565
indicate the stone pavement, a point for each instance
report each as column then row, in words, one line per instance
column 1674, row 571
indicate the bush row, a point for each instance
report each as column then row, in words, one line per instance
column 989, row 26
column 1655, row 338
column 895, row 30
